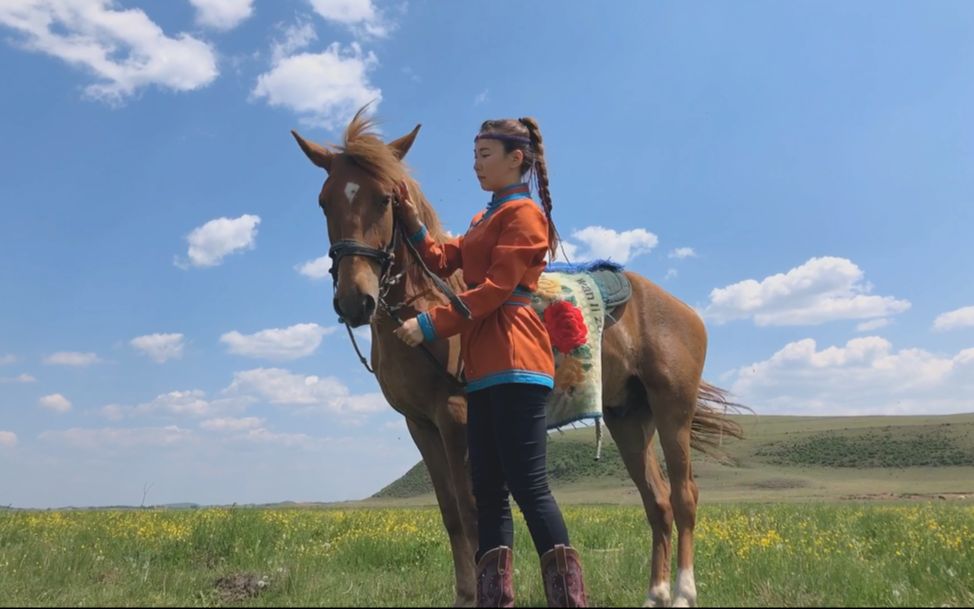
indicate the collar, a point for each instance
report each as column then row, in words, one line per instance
column 510, row 192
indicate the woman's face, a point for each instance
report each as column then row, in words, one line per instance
column 496, row 169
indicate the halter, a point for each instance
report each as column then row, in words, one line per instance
column 351, row 247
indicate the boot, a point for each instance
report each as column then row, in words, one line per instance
column 561, row 571
column 495, row 578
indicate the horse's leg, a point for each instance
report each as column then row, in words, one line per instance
column 633, row 435
column 452, row 425
column 674, row 415
column 430, row 444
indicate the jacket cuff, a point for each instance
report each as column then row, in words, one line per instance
column 417, row 237
column 426, row 325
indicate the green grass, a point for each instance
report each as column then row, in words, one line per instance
column 920, row 554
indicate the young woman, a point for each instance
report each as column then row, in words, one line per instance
column 507, row 355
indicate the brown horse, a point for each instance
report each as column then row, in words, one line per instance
column 652, row 361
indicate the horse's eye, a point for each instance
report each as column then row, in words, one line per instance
column 385, row 200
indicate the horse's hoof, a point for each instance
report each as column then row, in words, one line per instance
column 659, row 596
column 686, row 589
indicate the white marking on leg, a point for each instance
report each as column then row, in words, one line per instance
column 659, row 595
column 351, row 189
column 686, row 589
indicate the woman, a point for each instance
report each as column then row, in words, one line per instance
column 507, row 355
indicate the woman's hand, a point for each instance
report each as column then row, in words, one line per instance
column 410, row 332
column 405, row 209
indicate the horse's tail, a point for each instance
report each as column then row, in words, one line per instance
column 711, row 423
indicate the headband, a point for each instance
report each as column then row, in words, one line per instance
column 504, row 138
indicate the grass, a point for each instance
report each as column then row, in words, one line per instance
column 746, row 555
column 785, row 525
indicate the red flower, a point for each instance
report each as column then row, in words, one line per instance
column 565, row 325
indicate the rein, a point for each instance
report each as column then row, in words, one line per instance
column 385, row 257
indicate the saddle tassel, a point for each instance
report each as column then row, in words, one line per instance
column 598, row 439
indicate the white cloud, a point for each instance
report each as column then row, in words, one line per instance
column 55, row 402
column 605, row 243
column 123, row 49
column 119, row 437
column 71, row 358
column 481, row 98
column 7, row 359
column 8, row 438
column 160, row 347
column 959, row 318
column 682, row 252
column 325, row 89
column 315, row 269
column 566, row 248
column 364, row 333
column 671, row 273
column 295, row 37
column 20, row 378
column 192, row 403
column 279, row 386
column 299, row 340
column 210, row 243
column 361, row 16
column 232, row 424
column 396, row 425
column 222, row 14
column 821, row 290
column 873, row 324
column 865, row 376
column 265, row 436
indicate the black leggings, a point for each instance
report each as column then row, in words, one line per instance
column 507, row 440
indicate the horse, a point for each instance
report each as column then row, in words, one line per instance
column 652, row 361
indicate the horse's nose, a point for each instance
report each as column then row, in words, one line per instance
column 368, row 308
column 356, row 310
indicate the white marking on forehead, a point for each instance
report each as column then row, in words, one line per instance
column 351, row 189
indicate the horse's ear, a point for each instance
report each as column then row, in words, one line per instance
column 318, row 154
column 401, row 146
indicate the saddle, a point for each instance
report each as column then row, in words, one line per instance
column 610, row 278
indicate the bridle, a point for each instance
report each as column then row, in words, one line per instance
column 386, row 257
column 350, row 247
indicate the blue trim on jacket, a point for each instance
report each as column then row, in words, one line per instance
column 426, row 325
column 511, row 376
column 419, row 235
column 516, row 192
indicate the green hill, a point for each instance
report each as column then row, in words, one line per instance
column 781, row 459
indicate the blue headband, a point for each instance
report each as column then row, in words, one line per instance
column 515, row 139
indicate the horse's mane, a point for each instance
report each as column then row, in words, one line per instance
column 363, row 147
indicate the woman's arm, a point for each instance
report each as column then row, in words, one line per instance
column 522, row 244
column 441, row 258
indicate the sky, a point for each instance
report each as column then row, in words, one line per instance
column 800, row 173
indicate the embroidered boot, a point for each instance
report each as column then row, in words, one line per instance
column 495, row 578
column 561, row 571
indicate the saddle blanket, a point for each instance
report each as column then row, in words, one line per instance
column 577, row 394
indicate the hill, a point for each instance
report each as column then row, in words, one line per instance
column 782, row 458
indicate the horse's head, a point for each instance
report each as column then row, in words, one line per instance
column 356, row 198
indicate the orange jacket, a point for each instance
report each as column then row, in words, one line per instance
column 502, row 256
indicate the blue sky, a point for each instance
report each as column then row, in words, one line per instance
column 800, row 173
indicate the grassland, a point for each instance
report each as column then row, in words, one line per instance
column 808, row 512
column 746, row 555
